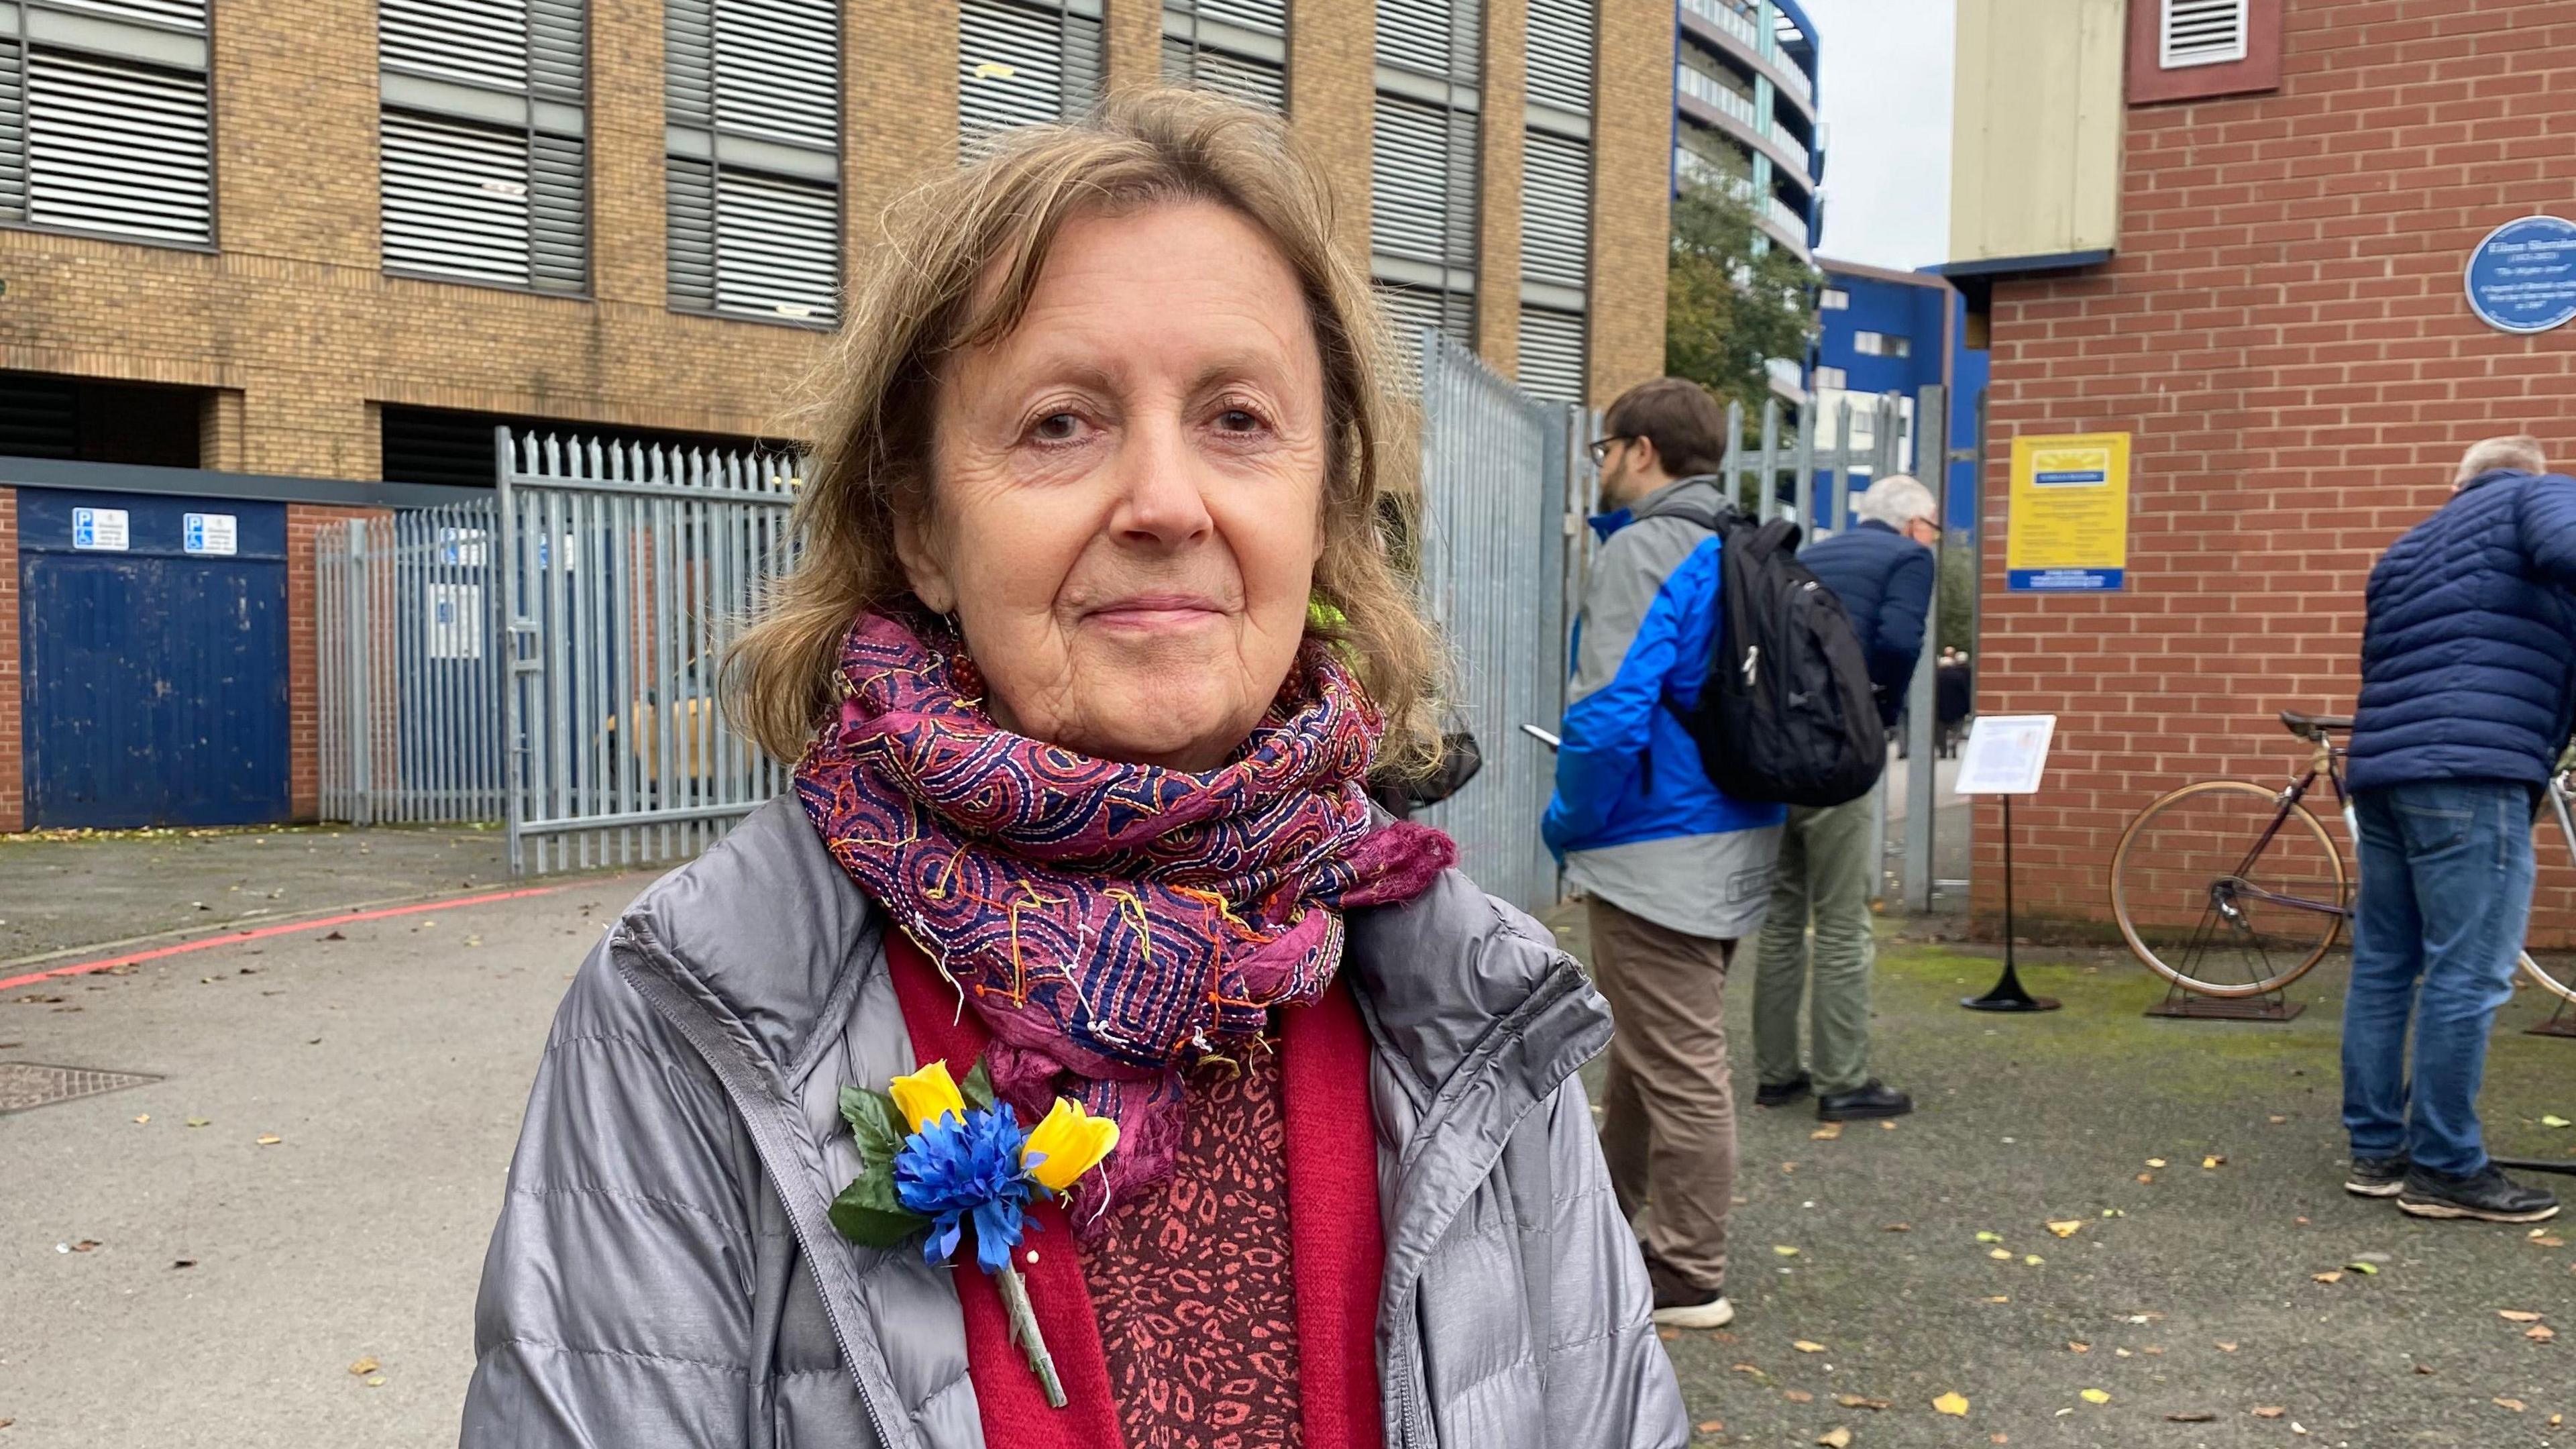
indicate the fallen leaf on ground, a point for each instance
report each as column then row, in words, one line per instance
column 1798, row 1396
column 201, row 1121
column 2514, row 1404
column 375, row 1381
column 2033, row 1259
column 2193, row 1416
column 2423, row 1368
column 146, row 1117
column 2517, row 1315
column 364, row 1367
column 2000, row 1298
column 269, row 1139
column 2540, row 1333
column 1784, row 1250
column 1804, row 1346
column 2555, row 1419
column 2552, row 1119
column 1711, row 1426
column 2146, row 1177
column 1826, row 1133
column 2155, row 1162
column 1990, row 1237
column 2095, row 1396
column 2003, row 1253
column 1746, row 1368
column 2276, row 1120
column 2547, row 1240
column 183, row 1263
column 1998, row 1438
column 2075, row 1347
column 1951, row 1404
column 2363, row 1268
column 2066, row 1228
column 1855, row 1401
column 2272, row 1411
column 1836, row 1437
column 1885, row 1125
column 2327, row 1277
column 1668, row 1334
column 335, row 936
column 2212, row 1160
column 1897, row 1228
column 2226, row 1347
column 86, row 1245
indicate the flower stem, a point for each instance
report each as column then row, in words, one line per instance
column 1024, row 1332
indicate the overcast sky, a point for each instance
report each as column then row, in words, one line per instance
column 1886, row 80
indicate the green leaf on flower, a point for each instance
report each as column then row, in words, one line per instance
column 876, row 1125
column 868, row 1213
column 977, row 1089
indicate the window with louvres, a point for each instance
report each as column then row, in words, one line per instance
column 1423, row 176
column 751, row 102
column 483, row 151
column 1237, row 48
column 104, row 123
column 1025, row 63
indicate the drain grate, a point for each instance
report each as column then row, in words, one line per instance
column 26, row 1084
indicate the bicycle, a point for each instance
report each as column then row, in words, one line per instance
column 2231, row 890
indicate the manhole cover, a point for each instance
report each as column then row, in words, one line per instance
column 26, row 1084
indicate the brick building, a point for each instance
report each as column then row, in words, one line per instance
column 298, row 256
column 2243, row 245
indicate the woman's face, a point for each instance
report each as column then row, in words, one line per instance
column 1127, row 491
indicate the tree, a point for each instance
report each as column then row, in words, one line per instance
column 1733, row 299
column 1959, row 592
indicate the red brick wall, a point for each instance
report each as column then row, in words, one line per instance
column 2283, row 331
column 13, row 770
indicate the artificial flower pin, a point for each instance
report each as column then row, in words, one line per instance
column 964, row 1161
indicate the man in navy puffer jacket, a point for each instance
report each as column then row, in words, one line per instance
column 2468, row 690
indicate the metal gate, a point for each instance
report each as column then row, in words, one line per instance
column 623, row 567
column 1493, row 558
column 406, row 636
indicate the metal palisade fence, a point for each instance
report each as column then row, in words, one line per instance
column 1493, row 556
column 408, row 667
column 623, row 567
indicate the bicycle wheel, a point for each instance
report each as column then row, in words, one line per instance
column 2221, row 892
column 2564, row 990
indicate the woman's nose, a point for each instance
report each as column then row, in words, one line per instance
column 1160, row 499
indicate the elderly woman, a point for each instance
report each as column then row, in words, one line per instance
column 1089, row 648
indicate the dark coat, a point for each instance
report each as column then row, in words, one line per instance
column 2468, row 658
column 1884, row 580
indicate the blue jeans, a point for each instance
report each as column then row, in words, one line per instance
column 2445, row 894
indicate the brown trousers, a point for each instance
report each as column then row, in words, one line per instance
column 1668, row 1114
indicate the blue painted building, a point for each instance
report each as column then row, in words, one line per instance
column 1897, row 332
column 1745, row 107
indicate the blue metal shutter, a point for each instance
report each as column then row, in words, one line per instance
column 119, row 148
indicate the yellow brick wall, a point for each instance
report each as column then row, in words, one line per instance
column 294, row 322
column 1498, row 216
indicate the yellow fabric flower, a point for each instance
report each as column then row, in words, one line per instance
column 1071, row 1141
column 926, row 1096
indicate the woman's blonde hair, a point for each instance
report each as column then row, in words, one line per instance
column 919, row 304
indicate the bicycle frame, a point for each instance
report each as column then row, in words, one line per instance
column 2327, row 762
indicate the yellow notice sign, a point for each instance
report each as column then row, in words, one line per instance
column 2068, row 531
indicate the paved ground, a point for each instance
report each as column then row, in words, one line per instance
column 393, row 1065
column 63, row 892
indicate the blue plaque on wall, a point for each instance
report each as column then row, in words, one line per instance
column 2522, row 277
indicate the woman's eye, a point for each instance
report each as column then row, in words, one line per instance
column 1056, row 428
column 1238, row 420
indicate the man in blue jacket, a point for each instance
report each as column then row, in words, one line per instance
column 1677, row 872
column 2468, row 691
column 1881, row 570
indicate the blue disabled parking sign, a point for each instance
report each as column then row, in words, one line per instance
column 2522, row 277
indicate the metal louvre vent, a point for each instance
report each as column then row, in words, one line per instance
column 689, row 62
column 455, row 199
column 1270, row 17
column 1422, row 183
column 2201, row 32
column 1253, row 82
column 558, row 241
column 13, row 133
column 777, row 70
column 1434, row 37
column 480, row 42
column 1556, row 197
column 1023, row 65
column 1410, row 311
column 778, row 247
column 1551, row 353
column 185, row 14
column 1560, row 53
column 556, row 47
column 690, row 205
column 117, row 148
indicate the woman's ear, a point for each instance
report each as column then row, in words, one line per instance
column 921, row 566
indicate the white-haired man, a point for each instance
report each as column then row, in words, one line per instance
column 1882, row 572
column 2468, row 690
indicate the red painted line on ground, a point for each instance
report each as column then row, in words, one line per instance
column 103, row 963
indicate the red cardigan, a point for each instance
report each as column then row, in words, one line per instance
column 1334, row 1233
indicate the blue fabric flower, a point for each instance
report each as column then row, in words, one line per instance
column 961, row 1167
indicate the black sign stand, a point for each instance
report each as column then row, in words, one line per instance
column 2007, row 993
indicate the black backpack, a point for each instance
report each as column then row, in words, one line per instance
column 1787, row 713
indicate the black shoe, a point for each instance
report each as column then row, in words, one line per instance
column 1680, row 1303
column 1773, row 1094
column 2487, row 1195
column 2376, row 1176
column 1872, row 1098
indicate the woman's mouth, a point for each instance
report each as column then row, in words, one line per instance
column 1156, row 613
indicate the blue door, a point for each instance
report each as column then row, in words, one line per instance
column 154, row 661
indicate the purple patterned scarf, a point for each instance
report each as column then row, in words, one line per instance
column 1114, row 925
